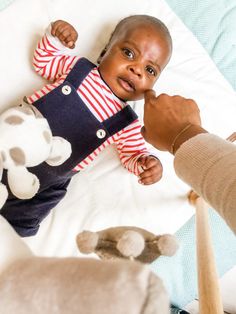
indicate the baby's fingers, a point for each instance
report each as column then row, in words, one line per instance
column 57, row 26
column 65, row 33
column 68, row 40
column 151, row 175
column 146, row 181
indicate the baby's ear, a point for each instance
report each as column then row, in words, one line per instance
column 102, row 54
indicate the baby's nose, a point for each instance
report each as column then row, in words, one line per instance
column 135, row 69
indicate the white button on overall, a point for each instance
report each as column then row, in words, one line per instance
column 101, row 133
column 66, row 89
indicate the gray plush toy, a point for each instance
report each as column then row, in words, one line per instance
column 127, row 242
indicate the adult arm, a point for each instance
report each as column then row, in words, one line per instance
column 208, row 164
column 204, row 161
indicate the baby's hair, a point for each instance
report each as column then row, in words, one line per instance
column 160, row 26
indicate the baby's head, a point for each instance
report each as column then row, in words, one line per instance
column 137, row 52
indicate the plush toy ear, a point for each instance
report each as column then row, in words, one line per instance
column 60, row 152
column 167, row 244
column 87, row 241
column 22, row 183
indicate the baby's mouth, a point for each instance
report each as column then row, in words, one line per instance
column 126, row 84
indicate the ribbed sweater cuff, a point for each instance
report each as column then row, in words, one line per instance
column 208, row 164
column 196, row 156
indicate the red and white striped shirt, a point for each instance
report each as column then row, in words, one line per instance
column 52, row 61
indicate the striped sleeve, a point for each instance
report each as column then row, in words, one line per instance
column 51, row 59
column 130, row 146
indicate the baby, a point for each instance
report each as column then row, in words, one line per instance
column 86, row 104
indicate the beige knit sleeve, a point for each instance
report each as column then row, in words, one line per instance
column 208, row 164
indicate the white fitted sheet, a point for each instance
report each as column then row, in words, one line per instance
column 105, row 194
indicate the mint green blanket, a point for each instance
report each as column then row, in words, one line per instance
column 213, row 22
column 4, row 4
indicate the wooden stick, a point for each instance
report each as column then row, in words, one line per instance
column 208, row 285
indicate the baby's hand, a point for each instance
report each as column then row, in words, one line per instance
column 65, row 32
column 152, row 170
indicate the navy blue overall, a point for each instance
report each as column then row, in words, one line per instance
column 69, row 118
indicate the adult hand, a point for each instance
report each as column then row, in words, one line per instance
column 166, row 116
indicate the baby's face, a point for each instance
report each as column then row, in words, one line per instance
column 134, row 60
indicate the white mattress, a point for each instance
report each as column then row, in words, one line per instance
column 105, row 194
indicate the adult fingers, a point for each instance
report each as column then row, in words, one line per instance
column 145, row 134
column 149, row 95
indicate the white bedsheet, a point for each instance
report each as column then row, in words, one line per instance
column 105, row 194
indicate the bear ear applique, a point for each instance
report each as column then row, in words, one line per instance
column 128, row 243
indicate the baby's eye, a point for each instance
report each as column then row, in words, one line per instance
column 151, row 70
column 128, row 53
